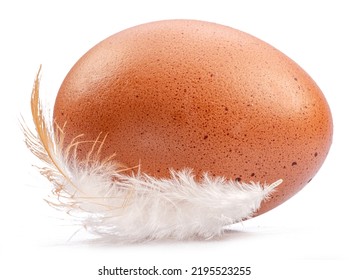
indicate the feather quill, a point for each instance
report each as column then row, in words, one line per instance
column 133, row 206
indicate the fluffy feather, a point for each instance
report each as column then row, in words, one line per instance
column 133, row 206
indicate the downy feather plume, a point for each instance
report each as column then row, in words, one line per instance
column 133, row 206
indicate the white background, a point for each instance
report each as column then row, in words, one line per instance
column 304, row 237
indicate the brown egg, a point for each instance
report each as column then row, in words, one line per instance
column 192, row 94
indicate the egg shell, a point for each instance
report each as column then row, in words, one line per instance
column 191, row 94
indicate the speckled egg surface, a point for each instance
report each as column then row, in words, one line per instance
column 192, row 94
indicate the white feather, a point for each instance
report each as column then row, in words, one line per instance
column 134, row 206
